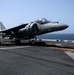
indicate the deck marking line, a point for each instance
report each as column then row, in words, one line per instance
column 70, row 53
column 14, row 47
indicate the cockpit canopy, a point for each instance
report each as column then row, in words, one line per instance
column 42, row 21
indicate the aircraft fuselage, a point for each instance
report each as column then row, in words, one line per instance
column 35, row 28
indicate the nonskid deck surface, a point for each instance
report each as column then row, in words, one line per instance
column 42, row 58
column 35, row 60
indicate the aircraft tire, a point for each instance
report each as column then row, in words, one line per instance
column 17, row 42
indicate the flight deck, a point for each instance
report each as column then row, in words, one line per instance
column 38, row 59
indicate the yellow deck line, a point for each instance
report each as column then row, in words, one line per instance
column 62, row 48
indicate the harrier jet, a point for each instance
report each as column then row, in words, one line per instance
column 32, row 29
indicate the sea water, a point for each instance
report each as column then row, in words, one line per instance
column 57, row 36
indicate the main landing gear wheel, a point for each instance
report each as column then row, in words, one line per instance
column 33, row 41
column 17, row 42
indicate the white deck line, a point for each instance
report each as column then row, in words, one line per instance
column 13, row 47
column 70, row 53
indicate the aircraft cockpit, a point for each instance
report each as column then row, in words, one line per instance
column 42, row 21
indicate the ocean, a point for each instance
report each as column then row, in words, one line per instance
column 57, row 36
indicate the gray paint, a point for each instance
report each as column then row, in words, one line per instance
column 30, row 30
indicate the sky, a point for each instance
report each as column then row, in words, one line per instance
column 16, row 12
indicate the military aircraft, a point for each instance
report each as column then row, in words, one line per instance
column 32, row 29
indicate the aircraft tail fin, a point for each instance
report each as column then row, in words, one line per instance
column 2, row 27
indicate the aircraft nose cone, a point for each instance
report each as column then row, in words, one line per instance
column 65, row 26
column 62, row 26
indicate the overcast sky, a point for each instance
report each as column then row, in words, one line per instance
column 16, row 12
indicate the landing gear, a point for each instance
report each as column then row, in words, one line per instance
column 32, row 41
column 17, row 42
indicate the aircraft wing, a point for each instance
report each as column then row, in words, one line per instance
column 14, row 29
